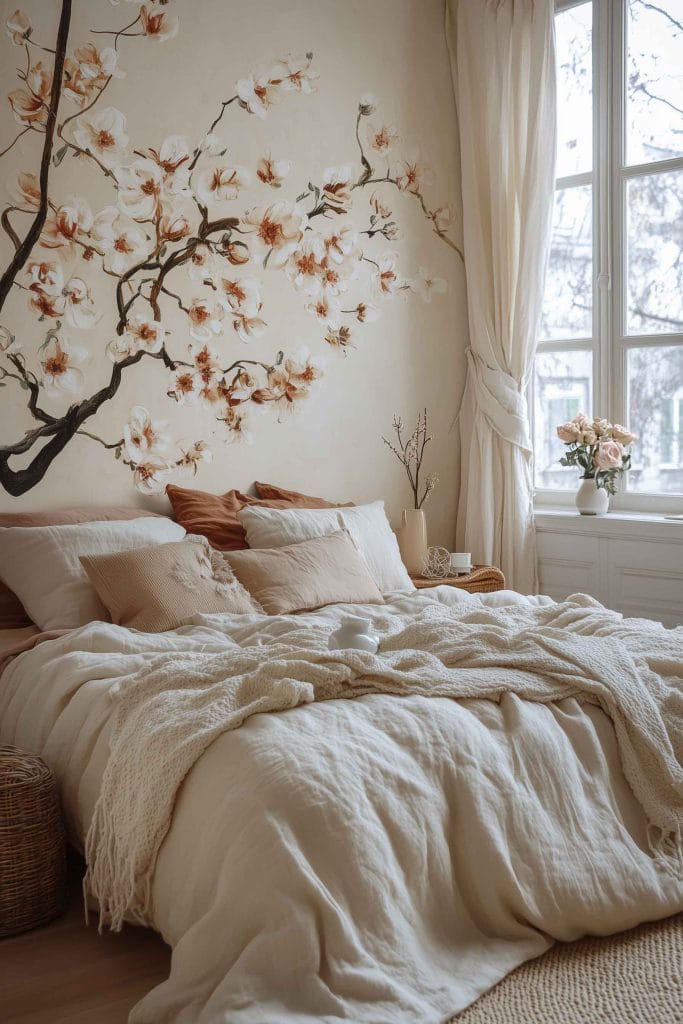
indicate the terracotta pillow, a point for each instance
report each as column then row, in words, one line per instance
column 214, row 516
column 12, row 612
column 158, row 588
column 271, row 491
column 301, row 577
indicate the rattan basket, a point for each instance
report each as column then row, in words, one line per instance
column 32, row 843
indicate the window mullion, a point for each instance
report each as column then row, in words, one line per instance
column 615, row 212
column 603, row 282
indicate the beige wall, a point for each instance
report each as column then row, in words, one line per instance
column 413, row 355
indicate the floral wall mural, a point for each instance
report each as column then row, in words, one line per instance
column 170, row 247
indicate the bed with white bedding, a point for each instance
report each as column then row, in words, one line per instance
column 381, row 859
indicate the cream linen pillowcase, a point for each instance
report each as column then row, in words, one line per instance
column 367, row 524
column 158, row 588
column 41, row 564
column 304, row 576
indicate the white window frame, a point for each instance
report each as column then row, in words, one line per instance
column 610, row 343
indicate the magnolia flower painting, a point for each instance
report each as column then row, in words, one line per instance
column 183, row 227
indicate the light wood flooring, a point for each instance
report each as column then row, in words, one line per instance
column 66, row 973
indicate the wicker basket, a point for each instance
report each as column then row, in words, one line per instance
column 32, row 843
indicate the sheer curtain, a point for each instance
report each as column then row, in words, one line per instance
column 503, row 66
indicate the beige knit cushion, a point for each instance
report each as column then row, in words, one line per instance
column 158, row 588
column 300, row 577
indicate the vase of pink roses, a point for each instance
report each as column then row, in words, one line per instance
column 598, row 448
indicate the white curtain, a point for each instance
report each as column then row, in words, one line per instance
column 503, row 66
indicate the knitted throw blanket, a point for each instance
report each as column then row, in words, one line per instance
column 167, row 715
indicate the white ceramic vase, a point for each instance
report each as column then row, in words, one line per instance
column 412, row 540
column 591, row 500
column 356, row 633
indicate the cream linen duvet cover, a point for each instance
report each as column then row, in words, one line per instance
column 376, row 860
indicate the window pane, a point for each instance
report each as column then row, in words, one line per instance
column 568, row 300
column 655, row 403
column 654, row 89
column 573, row 35
column 655, row 253
column 563, row 386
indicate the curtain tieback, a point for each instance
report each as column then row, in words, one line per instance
column 500, row 399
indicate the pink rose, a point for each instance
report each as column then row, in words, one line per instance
column 623, row 435
column 609, row 455
column 588, row 436
column 568, row 432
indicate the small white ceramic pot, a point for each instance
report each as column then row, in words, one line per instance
column 355, row 633
column 591, row 500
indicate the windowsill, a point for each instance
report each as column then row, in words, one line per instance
column 554, row 512
column 617, row 525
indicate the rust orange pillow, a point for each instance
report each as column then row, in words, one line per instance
column 214, row 516
column 273, row 492
column 12, row 613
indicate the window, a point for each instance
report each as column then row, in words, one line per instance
column 611, row 338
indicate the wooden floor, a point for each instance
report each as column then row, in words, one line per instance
column 66, row 973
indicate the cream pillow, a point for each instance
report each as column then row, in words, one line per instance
column 367, row 524
column 300, row 577
column 158, row 588
column 41, row 564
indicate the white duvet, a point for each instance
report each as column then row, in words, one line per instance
column 375, row 860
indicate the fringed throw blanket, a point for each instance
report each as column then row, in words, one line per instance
column 169, row 713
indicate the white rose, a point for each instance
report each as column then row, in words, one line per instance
column 601, row 427
column 568, row 432
column 622, row 435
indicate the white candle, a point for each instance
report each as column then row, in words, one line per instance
column 461, row 562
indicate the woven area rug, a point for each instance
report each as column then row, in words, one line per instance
column 635, row 977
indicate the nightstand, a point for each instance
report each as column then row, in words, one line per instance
column 484, row 579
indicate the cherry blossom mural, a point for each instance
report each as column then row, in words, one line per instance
column 179, row 233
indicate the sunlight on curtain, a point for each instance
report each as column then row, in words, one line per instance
column 503, row 66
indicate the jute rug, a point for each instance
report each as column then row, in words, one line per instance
column 635, row 977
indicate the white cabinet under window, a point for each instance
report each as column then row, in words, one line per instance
column 628, row 562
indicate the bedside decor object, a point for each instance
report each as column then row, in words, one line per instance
column 460, row 562
column 483, row 579
column 32, row 843
column 437, row 564
column 412, row 535
column 355, row 632
column 598, row 447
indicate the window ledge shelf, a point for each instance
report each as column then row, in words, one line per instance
column 625, row 525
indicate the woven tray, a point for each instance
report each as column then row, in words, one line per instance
column 32, row 843
column 484, row 579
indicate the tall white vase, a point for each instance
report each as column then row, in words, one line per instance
column 412, row 540
column 591, row 500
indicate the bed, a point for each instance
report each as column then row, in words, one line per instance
column 382, row 853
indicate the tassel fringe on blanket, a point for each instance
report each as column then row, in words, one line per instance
column 166, row 715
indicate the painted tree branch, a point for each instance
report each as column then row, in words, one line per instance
column 23, row 252
column 175, row 244
column 61, row 431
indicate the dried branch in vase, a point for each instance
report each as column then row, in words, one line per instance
column 410, row 453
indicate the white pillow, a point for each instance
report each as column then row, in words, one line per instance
column 40, row 564
column 367, row 524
